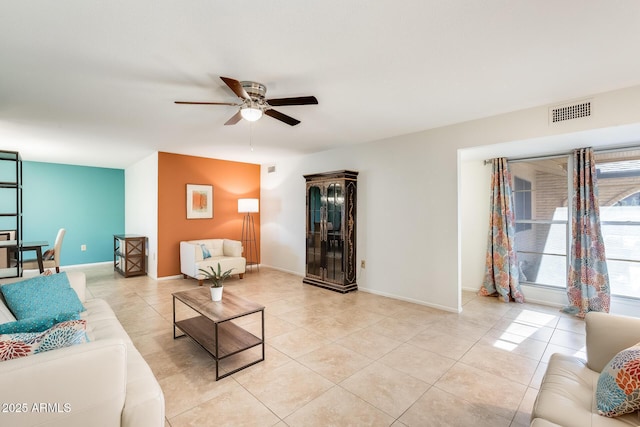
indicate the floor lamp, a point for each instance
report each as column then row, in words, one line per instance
column 247, row 207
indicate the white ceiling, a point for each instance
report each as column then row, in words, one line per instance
column 93, row 82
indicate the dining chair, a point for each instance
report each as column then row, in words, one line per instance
column 50, row 258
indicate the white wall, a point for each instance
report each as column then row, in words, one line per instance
column 396, row 209
column 141, row 206
column 475, row 182
column 414, row 199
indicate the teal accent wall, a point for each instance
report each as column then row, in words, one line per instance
column 87, row 201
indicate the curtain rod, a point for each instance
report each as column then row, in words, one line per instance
column 557, row 156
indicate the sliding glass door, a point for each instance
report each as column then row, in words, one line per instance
column 540, row 197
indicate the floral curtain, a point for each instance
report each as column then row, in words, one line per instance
column 588, row 280
column 501, row 266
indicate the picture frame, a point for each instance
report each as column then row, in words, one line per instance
column 199, row 201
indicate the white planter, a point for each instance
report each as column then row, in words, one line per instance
column 216, row 293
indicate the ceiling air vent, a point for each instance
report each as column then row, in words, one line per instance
column 564, row 112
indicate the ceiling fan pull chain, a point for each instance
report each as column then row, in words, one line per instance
column 251, row 136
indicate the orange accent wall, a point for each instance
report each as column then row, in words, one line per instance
column 230, row 181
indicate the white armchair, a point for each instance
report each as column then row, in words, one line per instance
column 228, row 253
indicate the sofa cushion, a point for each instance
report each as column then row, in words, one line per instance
column 5, row 314
column 102, row 322
column 232, row 248
column 42, row 296
column 618, row 390
column 62, row 335
column 566, row 394
column 238, row 264
column 215, row 247
column 36, row 324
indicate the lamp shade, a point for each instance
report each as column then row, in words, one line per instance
column 248, row 205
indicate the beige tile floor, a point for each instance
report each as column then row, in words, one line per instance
column 347, row 360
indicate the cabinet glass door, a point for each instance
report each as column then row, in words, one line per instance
column 315, row 244
column 334, row 235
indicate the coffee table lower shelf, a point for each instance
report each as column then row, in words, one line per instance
column 220, row 340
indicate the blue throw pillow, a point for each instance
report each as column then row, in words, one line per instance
column 205, row 252
column 42, row 296
column 36, row 324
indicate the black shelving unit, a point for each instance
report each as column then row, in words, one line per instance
column 10, row 214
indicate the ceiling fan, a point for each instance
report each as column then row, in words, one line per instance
column 253, row 103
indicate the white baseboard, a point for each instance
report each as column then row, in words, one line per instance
column 538, row 295
column 178, row 276
column 295, row 273
column 76, row 266
column 558, row 298
column 411, row 300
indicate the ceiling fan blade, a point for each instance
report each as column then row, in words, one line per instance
column 236, row 87
column 206, row 103
column 282, row 117
column 235, row 119
column 300, row 100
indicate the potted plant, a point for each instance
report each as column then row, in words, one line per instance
column 216, row 278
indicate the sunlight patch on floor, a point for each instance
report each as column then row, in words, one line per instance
column 521, row 328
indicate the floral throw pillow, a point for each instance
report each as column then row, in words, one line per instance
column 64, row 334
column 618, row 390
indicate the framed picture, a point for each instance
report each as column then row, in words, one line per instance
column 199, row 201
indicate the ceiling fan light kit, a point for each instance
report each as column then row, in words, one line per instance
column 251, row 114
column 253, row 103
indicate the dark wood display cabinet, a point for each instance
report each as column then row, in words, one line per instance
column 129, row 254
column 331, row 230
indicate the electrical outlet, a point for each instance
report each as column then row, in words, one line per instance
column 83, row 247
column 362, row 264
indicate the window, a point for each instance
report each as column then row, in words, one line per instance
column 542, row 191
column 522, row 199
column 540, row 196
column 632, row 200
column 619, row 197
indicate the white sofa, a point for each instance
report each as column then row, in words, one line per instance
column 224, row 251
column 104, row 382
column 567, row 393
